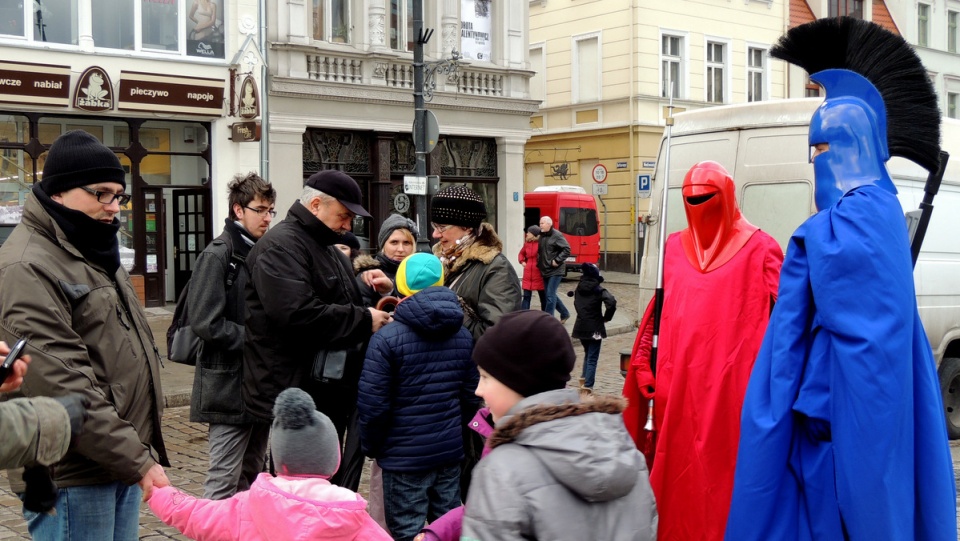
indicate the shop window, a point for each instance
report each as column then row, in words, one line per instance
column 113, row 25
column 159, row 25
column 401, row 25
column 331, row 20
column 54, row 21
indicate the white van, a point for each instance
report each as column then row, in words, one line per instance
column 764, row 146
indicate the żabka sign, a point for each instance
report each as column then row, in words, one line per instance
column 35, row 84
column 94, row 91
column 170, row 94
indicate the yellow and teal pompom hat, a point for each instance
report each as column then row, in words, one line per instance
column 419, row 271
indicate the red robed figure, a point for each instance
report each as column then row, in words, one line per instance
column 720, row 284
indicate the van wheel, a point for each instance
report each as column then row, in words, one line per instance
column 950, row 389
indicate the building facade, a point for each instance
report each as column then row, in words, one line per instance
column 606, row 72
column 340, row 96
column 156, row 81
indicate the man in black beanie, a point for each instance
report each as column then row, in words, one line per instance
column 65, row 290
column 559, row 467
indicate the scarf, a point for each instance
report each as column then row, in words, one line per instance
column 95, row 240
column 450, row 255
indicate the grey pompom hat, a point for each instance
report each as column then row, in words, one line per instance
column 303, row 440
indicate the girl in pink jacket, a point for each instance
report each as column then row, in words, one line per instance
column 299, row 503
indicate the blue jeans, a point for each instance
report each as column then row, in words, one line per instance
column 410, row 499
column 528, row 295
column 90, row 513
column 552, row 283
column 591, row 352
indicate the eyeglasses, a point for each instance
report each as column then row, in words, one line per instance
column 440, row 228
column 263, row 212
column 107, row 198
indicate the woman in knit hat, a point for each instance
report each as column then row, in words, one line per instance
column 477, row 271
column 299, row 503
column 397, row 240
column 470, row 249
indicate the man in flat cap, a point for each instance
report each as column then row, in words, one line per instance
column 65, row 290
column 303, row 299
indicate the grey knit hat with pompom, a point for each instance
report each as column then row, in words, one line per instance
column 303, row 440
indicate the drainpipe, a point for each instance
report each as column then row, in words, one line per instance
column 635, row 198
column 264, row 94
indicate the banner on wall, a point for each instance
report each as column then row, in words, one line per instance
column 475, row 29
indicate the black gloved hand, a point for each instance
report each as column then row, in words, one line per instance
column 41, row 493
column 76, row 405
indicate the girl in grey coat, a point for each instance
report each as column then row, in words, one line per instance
column 560, row 467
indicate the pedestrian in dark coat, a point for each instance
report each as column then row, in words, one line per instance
column 595, row 306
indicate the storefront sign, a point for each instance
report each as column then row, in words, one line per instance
column 94, row 91
column 245, row 132
column 249, row 98
column 35, row 84
column 170, row 94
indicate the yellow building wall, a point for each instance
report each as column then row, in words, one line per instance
column 544, row 161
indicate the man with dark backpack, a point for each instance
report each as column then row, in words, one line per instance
column 215, row 306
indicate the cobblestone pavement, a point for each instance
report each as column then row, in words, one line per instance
column 187, row 442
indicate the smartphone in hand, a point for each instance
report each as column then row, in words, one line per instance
column 7, row 366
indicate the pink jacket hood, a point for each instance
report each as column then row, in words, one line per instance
column 274, row 509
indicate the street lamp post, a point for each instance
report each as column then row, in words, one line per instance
column 424, row 83
column 419, row 123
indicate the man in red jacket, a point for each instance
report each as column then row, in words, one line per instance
column 720, row 284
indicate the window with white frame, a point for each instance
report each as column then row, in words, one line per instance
column 401, row 25
column 923, row 25
column 756, row 73
column 953, row 33
column 716, row 61
column 586, row 69
column 191, row 27
column 671, row 65
column 953, row 104
column 537, row 65
column 845, row 8
column 331, row 20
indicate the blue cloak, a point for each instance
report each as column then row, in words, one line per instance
column 842, row 429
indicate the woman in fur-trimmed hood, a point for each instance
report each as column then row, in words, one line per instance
column 470, row 249
column 397, row 239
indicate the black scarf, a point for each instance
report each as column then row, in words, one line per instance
column 241, row 239
column 388, row 265
column 94, row 239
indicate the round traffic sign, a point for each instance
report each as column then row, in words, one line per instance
column 599, row 173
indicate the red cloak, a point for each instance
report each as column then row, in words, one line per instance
column 711, row 329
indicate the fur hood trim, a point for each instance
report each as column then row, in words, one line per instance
column 484, row 248
column 365, row 263
column 509, row 430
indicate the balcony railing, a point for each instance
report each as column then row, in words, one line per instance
column 376, row 70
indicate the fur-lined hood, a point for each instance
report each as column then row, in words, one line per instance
column 485, row 247
column 583, row 443
column 365, row 263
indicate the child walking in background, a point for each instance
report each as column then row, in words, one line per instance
column 417, row 379
column 299, row 503
column 532, row 279
column 560, row 466
column 595, row 306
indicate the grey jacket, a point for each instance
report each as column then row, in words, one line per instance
column 561, row 468
column 88, row 334
column 485, row 281
column 216, row 316
column 553, row 248
column 35, row 431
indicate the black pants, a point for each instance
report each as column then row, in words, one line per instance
column 339, row 403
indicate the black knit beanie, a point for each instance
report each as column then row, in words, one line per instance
column 528, row 351
column 458, row 205
column 76, row 159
